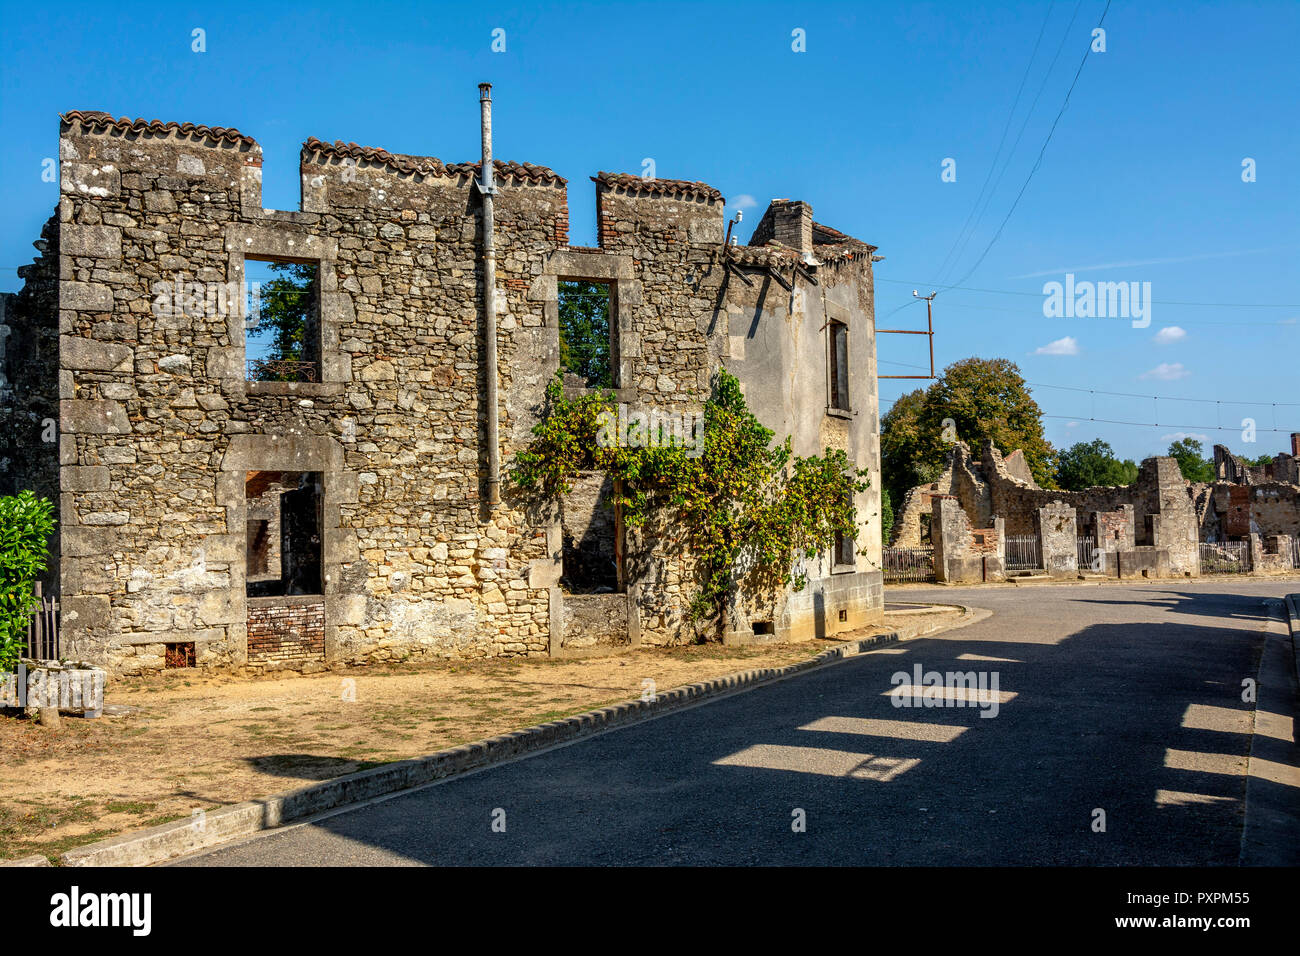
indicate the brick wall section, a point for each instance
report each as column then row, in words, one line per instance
column 286, row 633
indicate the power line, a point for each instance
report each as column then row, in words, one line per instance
column 1039, row 295
column 1037, row 162
column 1051, row 67
column 1099, row 391
column 1001, row 142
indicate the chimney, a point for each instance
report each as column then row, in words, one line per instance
column 1295, row 444
column 792, row 225
column 787, row 221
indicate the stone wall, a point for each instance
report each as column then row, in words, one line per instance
column 780, row 296
column 962, row 554
column 1162, row 502
column 138, row 299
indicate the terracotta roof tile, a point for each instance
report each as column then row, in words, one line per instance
column 429, row 165
column 518, row 171
column 665, row 187
column 99, row 121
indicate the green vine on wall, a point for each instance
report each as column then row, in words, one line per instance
column 747, row 511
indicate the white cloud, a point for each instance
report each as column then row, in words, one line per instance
column 744, row 201
column 1179, row 436
column 1065, row 346
column 1167, row 372
column 1170, row 334
column 1071, row 424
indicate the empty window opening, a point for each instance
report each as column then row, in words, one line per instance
column 180, row 654
column 593, row 537
column 764, row 627
column 843, row 557
column 839, row 365
column 844, row 615
column 282, row 321
column 586, row 339
column 284, row 533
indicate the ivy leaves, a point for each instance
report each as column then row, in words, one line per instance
column 750, row 513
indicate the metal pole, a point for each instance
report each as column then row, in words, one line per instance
column 488, row 189
column 929, row 324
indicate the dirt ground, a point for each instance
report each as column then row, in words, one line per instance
column 195, row 741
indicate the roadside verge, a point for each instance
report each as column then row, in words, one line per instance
column 1271, row 834
column 211, row 828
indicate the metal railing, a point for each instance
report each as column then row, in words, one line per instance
column 43, row 628
column 280, row 370
column 1023, row 552
column 1085, row 551
column 1225, row 557
column 907, row 564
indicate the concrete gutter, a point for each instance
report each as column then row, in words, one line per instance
column 1271, row 833
column 211, row 828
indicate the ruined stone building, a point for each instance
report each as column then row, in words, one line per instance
column 1154, row 527
column 216, row 509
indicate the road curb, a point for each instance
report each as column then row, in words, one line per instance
column 1270, row 835
column 211, row 828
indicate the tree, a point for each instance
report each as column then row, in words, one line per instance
column 886, row 516
column 1089, row 464
column 979, row 399
column 906, row 459
column 748, row 510
column 584, row 332
column 286, row 307
column 1191, row 459
column 25, row 525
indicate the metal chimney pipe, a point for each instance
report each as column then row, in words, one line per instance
column 487, row 187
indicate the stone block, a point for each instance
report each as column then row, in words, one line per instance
column 82, row 354
column 83, row 478
column 98, row 242
column 93, row 417
column 85, row 297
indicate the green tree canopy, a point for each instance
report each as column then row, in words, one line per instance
column 1190, row 455
column 285, row 315
column 26, row 523
column 1088, row 464
column 981, row 399
column 584, row 332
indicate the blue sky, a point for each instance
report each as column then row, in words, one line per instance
column 1141, row 181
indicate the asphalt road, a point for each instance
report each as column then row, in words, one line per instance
column 1125, row 700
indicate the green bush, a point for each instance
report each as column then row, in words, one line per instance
column 743, row 503
column 25, row 526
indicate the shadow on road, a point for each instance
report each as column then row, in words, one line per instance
column 1114, row 744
